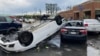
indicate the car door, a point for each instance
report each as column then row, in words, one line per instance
column 3, row 24
column 11, row 23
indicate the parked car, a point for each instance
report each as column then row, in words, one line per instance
column 73, row 30
column 8, row 25
column 92, row 25
column 29, row 20
column 26, row 20
column 21, row 20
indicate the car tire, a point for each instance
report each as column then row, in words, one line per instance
column 58, row 19
column 25, row 38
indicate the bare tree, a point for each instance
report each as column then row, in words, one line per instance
column 51, row 9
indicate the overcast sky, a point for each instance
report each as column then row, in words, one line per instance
column 24, row 6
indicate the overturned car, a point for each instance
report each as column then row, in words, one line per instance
column 26, row 39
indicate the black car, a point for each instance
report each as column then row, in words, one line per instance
column 8, row 25
column 73, row 31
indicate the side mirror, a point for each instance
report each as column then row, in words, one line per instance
column 58, row 19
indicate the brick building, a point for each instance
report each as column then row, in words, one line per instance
column 89, row 9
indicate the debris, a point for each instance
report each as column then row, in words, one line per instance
column 38, row 48
column 90, row 43
column 58, row 53
column 97, row 45
column 68, row 49
column 91, row 51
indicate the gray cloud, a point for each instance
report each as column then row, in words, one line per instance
column 24, row 6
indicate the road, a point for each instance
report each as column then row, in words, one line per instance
column 53, row 47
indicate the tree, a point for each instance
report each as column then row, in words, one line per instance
column 52, row 9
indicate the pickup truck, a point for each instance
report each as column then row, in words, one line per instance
column 8, row 25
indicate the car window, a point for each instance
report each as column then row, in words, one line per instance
column 74, row 24
column 9, row 19
column 3, row 19
column 79, row 24
column 70, row 24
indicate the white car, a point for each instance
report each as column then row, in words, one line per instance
column 92, row 25
column 24, row 40
column 31, row 20
column 26, row 20
column 21, row 20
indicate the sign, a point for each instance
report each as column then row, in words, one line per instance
column 80, row 7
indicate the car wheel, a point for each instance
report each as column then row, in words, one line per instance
column 58, row 19
column 25, row 38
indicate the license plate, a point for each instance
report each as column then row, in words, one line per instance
column 72, row 32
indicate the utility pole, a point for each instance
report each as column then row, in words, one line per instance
column 40, row 11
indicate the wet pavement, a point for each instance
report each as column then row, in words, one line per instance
column 93, row 48
column 54, row 47
column 74, row 50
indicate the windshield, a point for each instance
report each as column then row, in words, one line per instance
column 79, row 24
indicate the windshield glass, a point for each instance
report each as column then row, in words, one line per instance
column 74, row 24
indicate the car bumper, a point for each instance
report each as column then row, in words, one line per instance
column 93, row 29
column 74, row 37
column 10, row 46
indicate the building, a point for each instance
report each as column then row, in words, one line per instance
column 89, row 9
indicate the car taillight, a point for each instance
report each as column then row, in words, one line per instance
column 63, row 30
column 85, row 25
column 83, row 31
